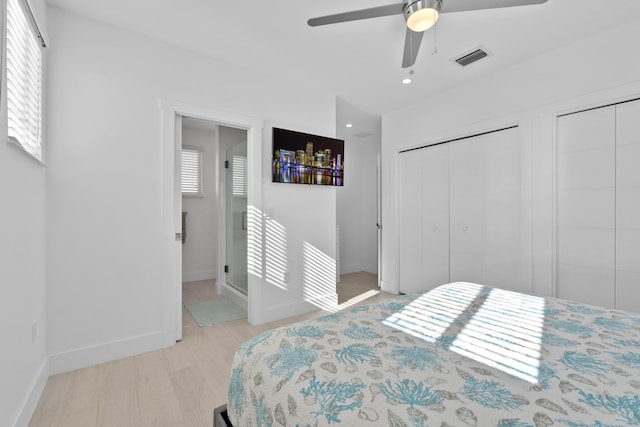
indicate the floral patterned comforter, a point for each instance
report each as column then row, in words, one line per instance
column 461, row 354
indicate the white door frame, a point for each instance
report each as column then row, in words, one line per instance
column 171, row 191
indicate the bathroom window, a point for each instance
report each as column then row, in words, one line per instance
column 239, row 176
column 192, row 171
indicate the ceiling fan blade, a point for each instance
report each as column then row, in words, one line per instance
column 411, row 46
column 449, row 6
column 374, row 12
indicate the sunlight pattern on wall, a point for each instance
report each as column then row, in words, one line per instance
column 276, row 253
column 501, row 329
column 254, row 241
column 318, row 277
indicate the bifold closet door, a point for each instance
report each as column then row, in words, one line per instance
column 410, row 222
column 423, row 234
column 586, row 214
column 628, row 206
column 435, row 216
column 490, row 193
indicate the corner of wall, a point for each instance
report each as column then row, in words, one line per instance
column 31, row 402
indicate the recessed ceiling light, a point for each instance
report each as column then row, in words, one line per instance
column 407, row 79
column 349, row 125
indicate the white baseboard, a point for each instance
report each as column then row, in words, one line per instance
column 24, row 417
column 293, row 309
column 234, row 296
column 193, row 276
column 88, row 356
column 370, row 268
column 353, row 268
column 387, row 286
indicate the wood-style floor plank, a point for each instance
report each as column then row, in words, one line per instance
column 177, row 386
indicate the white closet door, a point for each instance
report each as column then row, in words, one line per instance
column 435, row 216
column 586, row 207
column 507, row 229
column 628, row 206
column 410, row 222
column 489, row 233
column 467, row 189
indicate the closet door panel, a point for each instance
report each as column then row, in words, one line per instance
column 628, row 251
column 628, row 206
column 584, row 284
column 627, row 289
column 410, row 222
column 466, row 172
column 504, row 227
column 585, row 207
column 466, row 262
column 435, row 216
column 487, row 206
column 588, row 247
column 583, row 169
column 627, row 210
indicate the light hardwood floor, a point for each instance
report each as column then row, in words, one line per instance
column 175, row 386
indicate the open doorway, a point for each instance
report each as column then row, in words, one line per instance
column 214, row 209
column 173, row 115
column 213, row 173
column 358, row 204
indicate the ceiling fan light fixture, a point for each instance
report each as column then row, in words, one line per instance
column 421, row 14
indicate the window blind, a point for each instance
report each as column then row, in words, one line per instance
column 24, row 78
column 192, row 171
column 239, row 176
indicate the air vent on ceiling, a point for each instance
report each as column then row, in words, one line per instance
column 471, row 57
column 363, row 134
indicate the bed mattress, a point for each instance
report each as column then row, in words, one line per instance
column 461, row 354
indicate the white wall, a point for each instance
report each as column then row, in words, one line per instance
column 357, row 204
column 23, row 363
column 587, row 72
column 109, row 291
column 200, row 250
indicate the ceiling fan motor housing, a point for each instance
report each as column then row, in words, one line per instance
column 411, row 6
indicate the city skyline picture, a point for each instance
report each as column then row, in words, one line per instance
column 301, row 158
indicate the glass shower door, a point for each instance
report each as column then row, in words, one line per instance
column 236, row 198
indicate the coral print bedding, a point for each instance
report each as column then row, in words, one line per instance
column 461, row 354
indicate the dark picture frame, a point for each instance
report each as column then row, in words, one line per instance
column 303, row 158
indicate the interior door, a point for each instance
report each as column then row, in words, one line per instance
column 177, row 218
column 379, row 216
column 237, row 221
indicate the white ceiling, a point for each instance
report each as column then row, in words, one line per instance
column 359, row 61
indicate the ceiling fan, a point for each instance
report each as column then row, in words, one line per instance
column 420, row 15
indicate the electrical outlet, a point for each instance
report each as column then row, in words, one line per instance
column 34, row 331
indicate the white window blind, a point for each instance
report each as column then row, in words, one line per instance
column 24, row 78
column 239, row 176
column 192, row 171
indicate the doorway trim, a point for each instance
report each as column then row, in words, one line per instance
column 171, row 215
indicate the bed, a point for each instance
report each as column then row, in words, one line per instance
column 461, row 354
